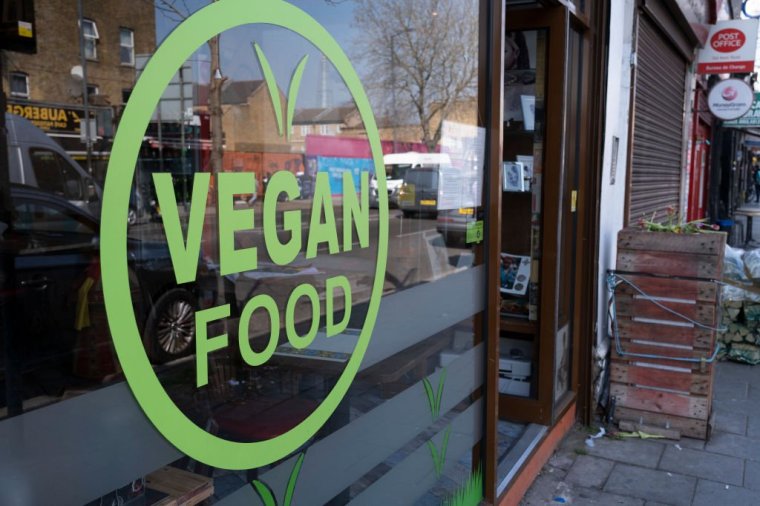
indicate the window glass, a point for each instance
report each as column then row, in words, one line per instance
column 91, row 37
column 41, row 217
column 19, row 84
column 299, row 256
column 55, row 175
column 126, row 46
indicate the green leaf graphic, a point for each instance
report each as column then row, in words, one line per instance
column 439, row 396
column 429, row 393
column 292, row 480
column 274, row 92
column 295, row 86
column 439, row 458
column 435, row 400
column 266, row 494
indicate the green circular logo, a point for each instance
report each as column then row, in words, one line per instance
column 150, row 394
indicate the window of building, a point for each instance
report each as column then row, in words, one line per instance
column 127, row 46
column 91, row 37
column 125, row 94
column 93, row 89
column 19, row 83
column 323, row 130
column 304, row 130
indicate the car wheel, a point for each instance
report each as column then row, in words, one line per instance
column 131, row 217
column 170, row 328
column 408, row 214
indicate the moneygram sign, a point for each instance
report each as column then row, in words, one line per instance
column 730, row 48
column 184, row 245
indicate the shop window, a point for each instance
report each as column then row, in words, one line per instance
column 127, row 46
column 91, row 37
column 19, row 83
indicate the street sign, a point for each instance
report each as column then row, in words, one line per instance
column 730, row 99
column 751, row 119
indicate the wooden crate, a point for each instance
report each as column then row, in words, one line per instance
column 183, row 488
column 678, row 271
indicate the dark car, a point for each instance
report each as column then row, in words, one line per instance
column 57, row 250
column 419, row 191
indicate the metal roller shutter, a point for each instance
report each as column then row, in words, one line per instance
column 656, row 159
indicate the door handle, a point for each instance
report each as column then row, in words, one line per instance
column 35, row 284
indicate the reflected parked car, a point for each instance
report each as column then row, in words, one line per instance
column 57, row 251
column 419, row 191
column 452, row 224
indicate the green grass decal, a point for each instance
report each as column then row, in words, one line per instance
column 470, row 494
column 274, row 92
column 439, row 458
column 266, row 494
column 435, row 400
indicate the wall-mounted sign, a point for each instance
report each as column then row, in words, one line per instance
column 730, row 99
column 730, row 48
column 751, row 119
column 58, row 118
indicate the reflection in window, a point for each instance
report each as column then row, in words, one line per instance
column 19, row 83
column 55, row 175
column 91, row 36
column 126, row 46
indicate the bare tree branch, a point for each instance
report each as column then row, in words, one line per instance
column 427, row 50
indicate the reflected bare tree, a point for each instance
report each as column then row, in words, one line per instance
column 420, row 58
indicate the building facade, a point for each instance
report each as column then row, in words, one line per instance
column 312, row 345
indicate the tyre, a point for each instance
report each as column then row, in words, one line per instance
column 408, row 214
column 170, row 327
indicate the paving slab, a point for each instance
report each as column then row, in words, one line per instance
column 752, row 476
column 593, row 497
column 753, row 427
column 731, row 389
column 726, row 421
column 651, row 485
column 543, row 490
column 589, row 472
column 734, row 445
column 720, row 468
column 630, row 451
column 710, row 493
column 563, row 459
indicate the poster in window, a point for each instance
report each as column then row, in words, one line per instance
column 528, row 103
column 514, row 177
column 515, row 274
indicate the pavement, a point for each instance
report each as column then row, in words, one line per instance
column 725, row 470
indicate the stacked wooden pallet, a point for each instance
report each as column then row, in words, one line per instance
column 649, row 384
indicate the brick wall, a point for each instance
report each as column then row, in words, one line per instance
column 58, row 48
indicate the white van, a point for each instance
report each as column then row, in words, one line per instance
column 34, row 159
column 396, row 166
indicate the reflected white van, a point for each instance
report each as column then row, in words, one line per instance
column 36, row 160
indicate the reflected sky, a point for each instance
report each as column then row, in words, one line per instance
column 238, row 59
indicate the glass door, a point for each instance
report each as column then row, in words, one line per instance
column 537, row 222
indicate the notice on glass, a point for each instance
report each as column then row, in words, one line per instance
column 461, row 184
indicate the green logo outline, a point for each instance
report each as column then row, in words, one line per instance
column 148, row 391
